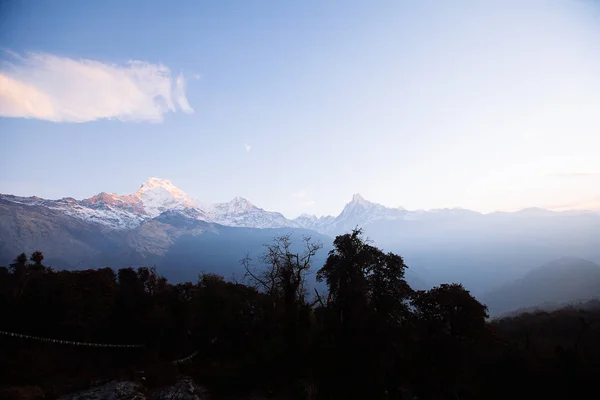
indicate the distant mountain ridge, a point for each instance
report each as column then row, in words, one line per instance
column 177, row 241
column 562, row 281
column 156, row 196
column 160, row 224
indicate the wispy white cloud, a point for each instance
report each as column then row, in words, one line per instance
column 247, row 147
column 179, row 95
column 60, row 89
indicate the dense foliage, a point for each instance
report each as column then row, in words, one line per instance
column 369, row 337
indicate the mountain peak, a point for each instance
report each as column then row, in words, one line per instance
column 240, row 204
column 158, row 185
column 152, row 183
column 241, row 200
column 159, row 195
column 358, row 199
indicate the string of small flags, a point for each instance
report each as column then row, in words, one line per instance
column 69, row 342
column 185, row 359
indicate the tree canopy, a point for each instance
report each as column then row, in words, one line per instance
column 369, row 335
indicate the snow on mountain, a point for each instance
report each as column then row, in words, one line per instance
column 306, row 221
column 110, row 210
column 120, row 211
column 318, row 224
column 154, row 197
column 88, row 210
column 29, row 201
column 109, row 217
column 159, row 195
column 105, row 200
column 360, row 212
column 241, row 213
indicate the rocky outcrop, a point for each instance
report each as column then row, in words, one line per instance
column 111, row 391
column 183, row 389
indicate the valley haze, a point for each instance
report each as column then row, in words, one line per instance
column 161, row 224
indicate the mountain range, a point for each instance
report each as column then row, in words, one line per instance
column 162, row 225
column 156, row 196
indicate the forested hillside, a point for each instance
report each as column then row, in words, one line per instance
column 368, row 336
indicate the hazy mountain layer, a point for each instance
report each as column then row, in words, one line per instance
column 162, row 225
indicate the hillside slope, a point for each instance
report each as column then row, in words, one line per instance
column 565, row 280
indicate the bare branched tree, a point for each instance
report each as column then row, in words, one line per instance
column 283, row 271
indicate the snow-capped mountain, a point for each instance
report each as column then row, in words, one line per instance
column 359, row 212
column 157, row 196
column 162, row 225
column 242, row 213
column 114, row 211
column 104, row 209
column 154, row 197
column 319, row 224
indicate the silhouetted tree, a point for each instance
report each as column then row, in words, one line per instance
column 449, row 324
column 283, row 278
column 370, row 336
column 368, row 303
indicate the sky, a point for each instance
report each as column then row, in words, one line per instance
column 296, row 106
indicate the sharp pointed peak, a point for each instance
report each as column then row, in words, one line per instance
column 357, row 198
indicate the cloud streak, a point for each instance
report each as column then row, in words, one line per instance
column 247, row 147
column 60, row 89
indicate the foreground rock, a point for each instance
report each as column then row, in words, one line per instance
column 184, row 389
column 110, row 391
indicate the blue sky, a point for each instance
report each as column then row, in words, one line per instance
column 298, row 105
